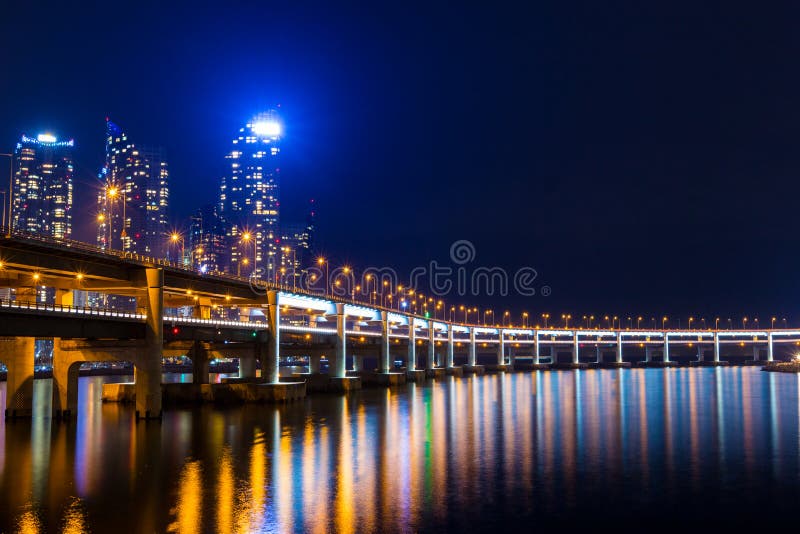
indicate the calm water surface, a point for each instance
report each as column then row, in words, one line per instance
column 628, row 449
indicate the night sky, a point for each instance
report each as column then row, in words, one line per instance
column 641, row 156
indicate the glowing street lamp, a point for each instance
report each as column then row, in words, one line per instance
column 322, row 261
column 663, row 322
column 545, row 316
column 175, row 237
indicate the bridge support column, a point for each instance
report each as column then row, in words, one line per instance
column 512, row 357
column 501, row 348
column 64, row 297
column 666, row 348
column 536, row 348
column 338, row 366
column 271, row 350
column 313, row 363
column 65, row 383
column 700, row 353
column 200, row 362
column 358, row 363
column 147, row 367
column 619, row 347
column 575, row 348
column 450, row 347
column 411, row 361
column 385, row 360
column 472, row 359
column 769, row 348
column 430, row 363
column 648, row 353
column 18, row 355
column 716, row 347
column 599, row 354
column 247, row 365
column 756, row 353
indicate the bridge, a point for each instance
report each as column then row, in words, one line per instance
column 264, row 323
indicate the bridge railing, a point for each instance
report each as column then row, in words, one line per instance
column 64, row 308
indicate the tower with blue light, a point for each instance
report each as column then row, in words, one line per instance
column 42, row 186
column 248, row 197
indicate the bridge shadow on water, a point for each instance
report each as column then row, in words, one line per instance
column 625, row 449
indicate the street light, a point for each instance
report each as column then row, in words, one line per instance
column 690, row 322
column 525, row 319
column 322, row 261
column 246, row 238
column 664, row 322
column 175, row 237
column 638, row 322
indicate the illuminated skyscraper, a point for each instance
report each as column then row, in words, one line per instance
column 248, row 199
column 42, row 186
column 133, row 204
column 206, row 244
column 297, row 246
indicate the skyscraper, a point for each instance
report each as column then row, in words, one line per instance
column 207, row 250
column 248, row 199
column 297, row 246
column 42, row 186
column 133, row 205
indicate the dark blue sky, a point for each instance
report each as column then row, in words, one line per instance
column 642, row 156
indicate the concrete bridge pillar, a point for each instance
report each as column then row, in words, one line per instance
column 18, row 354
column 430, row 363
column 202, row 309
column 64, row 297
column 619, row 347
column 769, row 348
column 358, row 362
column 716, row 346
column 385, row 358
column 313, row 363
column 536, row 348
column 200, row 362
column 501, row 348
column 575, row 348
column 271, row 351
column 450, row 347
column 247, row 364
column 666, row 348
column 338, row 365
column 65, row 383
column 411, row 362
column 700, row 353
column 472, row 359
column 648, row 353
column 512, row 357
column 147, row 367
column 756, row 353
column 598, row 353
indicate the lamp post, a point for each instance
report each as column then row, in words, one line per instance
column 175, row 237
column 322, row 261
column 525, row 319
column 10, row 226
column 638, row 322
column 664, row 322
column 545, row 316
column 112, row 191
column 246, row 238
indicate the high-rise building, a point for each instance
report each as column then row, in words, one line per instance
column 133, row 205
column 248, row 199
column 42, row 186
column 207, row 250
column 296, row 246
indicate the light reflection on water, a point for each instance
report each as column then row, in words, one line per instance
column 693, row 446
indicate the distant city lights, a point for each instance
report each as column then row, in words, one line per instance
column 46, row 138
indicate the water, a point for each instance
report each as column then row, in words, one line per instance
column 629, row 449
